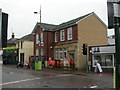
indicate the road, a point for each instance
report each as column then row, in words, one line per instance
column 13, row 77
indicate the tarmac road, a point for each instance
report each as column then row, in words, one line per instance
column 13, row 77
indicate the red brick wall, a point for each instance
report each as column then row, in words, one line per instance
column 48, row 40
column 74, row 34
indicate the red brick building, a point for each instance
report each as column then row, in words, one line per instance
column 45, row 32
column 66, row 39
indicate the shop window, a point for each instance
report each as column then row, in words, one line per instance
column 108, row 60
column 104, row 59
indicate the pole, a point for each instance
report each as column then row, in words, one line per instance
column 40, row 33
column 87, row 59
column 40, row 13
column 117, row 45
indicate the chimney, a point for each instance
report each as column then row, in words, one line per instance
column 13, row 36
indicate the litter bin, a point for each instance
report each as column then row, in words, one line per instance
column 33, row 65
column 38, row 65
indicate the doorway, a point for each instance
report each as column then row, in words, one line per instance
column 22, row 57
column 71, row 56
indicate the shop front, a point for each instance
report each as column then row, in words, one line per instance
column 105, row 55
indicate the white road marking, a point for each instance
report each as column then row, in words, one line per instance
column 14, row 82
column 93, row 86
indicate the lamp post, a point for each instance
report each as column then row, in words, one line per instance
column 40, row 32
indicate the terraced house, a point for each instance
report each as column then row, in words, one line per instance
column 66, row 39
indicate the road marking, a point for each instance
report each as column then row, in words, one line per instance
column 93, row 86
column 14, row 82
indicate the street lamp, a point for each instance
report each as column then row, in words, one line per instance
column 40, row 32
column 39, row 13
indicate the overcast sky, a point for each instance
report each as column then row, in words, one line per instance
column 22, row 18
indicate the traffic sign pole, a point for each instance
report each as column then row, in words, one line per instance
column 117, row 45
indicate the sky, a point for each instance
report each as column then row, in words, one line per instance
column 22, row 19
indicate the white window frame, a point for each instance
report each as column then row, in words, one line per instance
column 69, row 33
column 62, row 35
column 41, row 37
column 41, row 52
column 37, row 38
column 56, row 36
column 37, row 52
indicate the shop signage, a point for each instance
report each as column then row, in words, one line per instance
column 103, row 49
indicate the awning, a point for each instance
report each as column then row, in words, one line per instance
column 9, row 48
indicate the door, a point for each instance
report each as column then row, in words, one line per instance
column 22, row 57
column 72, row 56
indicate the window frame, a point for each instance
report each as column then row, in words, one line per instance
column 62, row 35
column 56, row 34
column 69, row 33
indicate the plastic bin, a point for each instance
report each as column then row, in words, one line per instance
column 38, row 65
column 33, row 65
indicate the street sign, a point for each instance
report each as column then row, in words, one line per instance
column 113, row 11
column 110, row 15
column 116, row 10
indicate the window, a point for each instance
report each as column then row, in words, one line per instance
column 21, row 45
column 37, row 52
column 108, row 60
column 57, row 54
column 41, row 53
column 55, row 36
column 37, row 38
column 65, row 53
column 69, row 33
column 41, row 37
column 61, row 54
column 18, row 44
column 62, row 35
column 104, row 59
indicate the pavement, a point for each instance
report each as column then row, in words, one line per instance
column 103, row 75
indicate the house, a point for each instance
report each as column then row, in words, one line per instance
column 25, row 46
column 11, row 41
column 10, row 53
column 66, row 39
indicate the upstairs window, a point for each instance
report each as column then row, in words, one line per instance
column 69, row 33
column 55, row 36
column 62, row 35
column 41, row 37
column 37, row 38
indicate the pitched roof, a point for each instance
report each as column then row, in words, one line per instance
column 51, row 27
column 28, row 37
column 48, row 27
column 12, row 40
column 71, row 22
